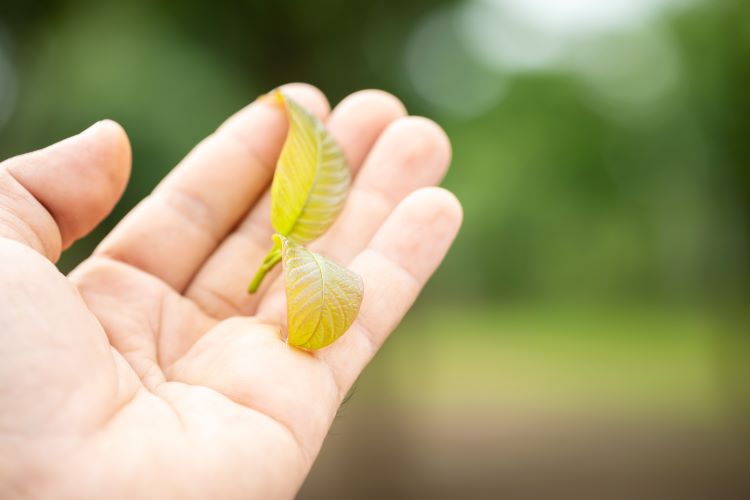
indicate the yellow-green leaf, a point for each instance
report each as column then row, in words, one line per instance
column 310, row 184
column 311, row 180
column 323, row 298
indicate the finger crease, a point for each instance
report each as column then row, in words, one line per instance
column 40, row 241
column 203, row 293
column 232, row 136
column 256, row 233
column 380, row 195
column 396, row 266
column 192, row 208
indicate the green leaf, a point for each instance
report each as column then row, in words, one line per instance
column 323, row 298
column 310, row 184
column 312, row 178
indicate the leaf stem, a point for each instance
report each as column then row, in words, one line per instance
column 269, row 262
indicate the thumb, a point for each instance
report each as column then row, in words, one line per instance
column 54, row 196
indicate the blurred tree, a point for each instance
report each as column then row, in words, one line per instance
column 571, row 190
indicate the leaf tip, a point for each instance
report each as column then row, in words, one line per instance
column 274, row 97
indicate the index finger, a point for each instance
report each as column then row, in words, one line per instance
column 172, row 232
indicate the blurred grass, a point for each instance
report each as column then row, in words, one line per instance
column 538, row 401
column 551, row 358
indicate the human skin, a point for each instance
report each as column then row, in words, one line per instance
column 149, row 372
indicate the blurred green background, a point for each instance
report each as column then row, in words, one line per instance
column 589, row 334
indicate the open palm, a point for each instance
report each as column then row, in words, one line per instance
column 149, row 372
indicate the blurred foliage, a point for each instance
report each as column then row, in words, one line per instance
column 567, row 192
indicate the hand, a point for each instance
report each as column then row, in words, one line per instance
column 149, row 372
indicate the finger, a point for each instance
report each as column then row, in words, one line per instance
column 179, row 225
column 394, row 267
column 52, row 197
column 57, row 370
column 412, row 153
column 358, row 121
column 221, row 285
